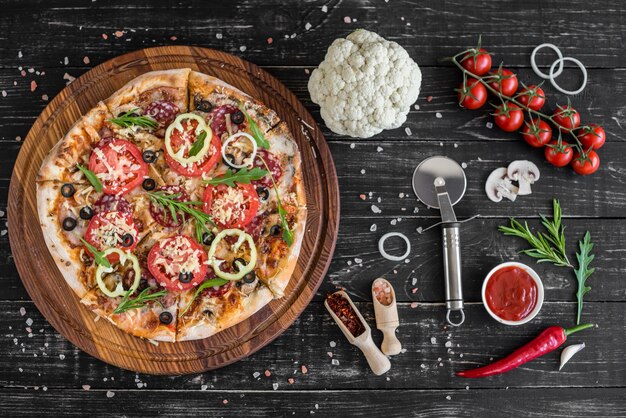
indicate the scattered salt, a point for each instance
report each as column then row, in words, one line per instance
column 29, row 322
column 433, row 340
column 242, row 48
column 275, row 386
column 438, row 115
column 324, row 9
column 110, row 394
column 373, row 228
column 376, row 209
column 379, row 149
column 334, row 362
column 219, row 35
column 448, row 344
column 22, row 311
column 408, row 131
column 347, row 19
column 332, row 344
column 256, row 374
column 352, row 145
column 307, row 26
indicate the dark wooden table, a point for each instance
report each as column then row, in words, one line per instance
column 44, row 45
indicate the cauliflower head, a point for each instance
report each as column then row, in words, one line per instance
column 365, row 84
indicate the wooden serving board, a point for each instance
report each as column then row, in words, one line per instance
column 58, row 303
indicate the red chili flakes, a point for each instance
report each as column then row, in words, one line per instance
column 44, row 97
column 362, row 197
column 268, row 373
column 270, row 41
column 105, row 36
column 86, row 60
column 342, row 308
column 118, row 33
column 173, row 38
column 429, row 99
column 225, row 401
column 290, row 380
column 304, row 369
column 33, row 85
column 413, row 304
column 414, row 290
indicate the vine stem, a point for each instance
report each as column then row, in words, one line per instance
column 503, row 98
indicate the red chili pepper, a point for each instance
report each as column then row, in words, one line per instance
column 549, row 340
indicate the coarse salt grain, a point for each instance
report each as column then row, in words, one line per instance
column 433, row 340
column 219, row 35
column 362, row 171
column 29, row 322
column 110, row 394
column 379, row 149
column 86, row 387
column 324, row 9
column 118, row 33
column 408, row 131
column 376, row 209
column 373, row 228
column 413, row 304
column 256, row 374
column 22, row 311
column 347, row 19
column 4, row 93
column 448, row 344
column 438, row 115
column 334, row 362
column 332, row 344
column 242, row 48
column 275, row 386
column 307, row 26
column 352, row 146
column 86, row 60
column 173, row 38
column 464, row 165
column 44, row 97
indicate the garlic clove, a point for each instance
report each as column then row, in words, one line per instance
column 568, row 352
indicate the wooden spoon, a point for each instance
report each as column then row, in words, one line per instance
column 377, row 361
column 387, row 320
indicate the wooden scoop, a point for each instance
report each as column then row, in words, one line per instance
column 377, row 361
column 387, row 320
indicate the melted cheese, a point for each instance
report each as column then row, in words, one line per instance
column 178, row 256
column 229, row 206
column 110, row 233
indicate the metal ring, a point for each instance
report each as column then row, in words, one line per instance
column 533, row 64
column 381, row 246
column 553, row 76
column 455, row 324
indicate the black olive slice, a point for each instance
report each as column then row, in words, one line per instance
column 249, row 278
column 149, row 156
column 241, row 260
column 166, row 317
column 202, row 105
column 207, row 238
column 275, row 230
column 237, row 117
column 185, row 276
column 148, row 184
column 69, row 223
column 263, row 193
column 127, row 240
column 68, row 190
column 86, row 213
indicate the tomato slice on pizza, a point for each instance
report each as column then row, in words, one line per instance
column 118, row 165
column 178, row 263
column 112, row 230
column 231, row 207
column 186, row 151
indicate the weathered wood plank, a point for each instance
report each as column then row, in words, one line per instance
column 430, row 29
column 434, row 352
column 574, row 402
column 20, row 108
column 357, row 262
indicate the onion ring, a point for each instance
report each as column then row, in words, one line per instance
column 381, row 246
column 553, row 76
column 533, row 64
column 233, row 137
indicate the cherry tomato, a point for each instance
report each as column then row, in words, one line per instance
column 477, row 62
column 119, row 166
column 198, row 168
column 504, row 81
column 231, row 207
column 566, row 118
column 509, row 117
column 559, row 156
column 112, row 230
column 537, row 134
column 586, row 165
column 592, row 136
column 472, row 95
column 532, row 97
column 178, row 263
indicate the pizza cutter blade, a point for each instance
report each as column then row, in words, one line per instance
column 439, row 182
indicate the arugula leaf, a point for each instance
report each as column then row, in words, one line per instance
column 140, row 301
column 242, row 176
column 204, row 285
column 130, row 118
column 197, row 145
column 287, row 234
column 99, row 256
column 168, row 202
column 91, row 177
column 583, row 271
column 257, row 133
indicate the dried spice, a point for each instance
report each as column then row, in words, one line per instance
column 344, row 311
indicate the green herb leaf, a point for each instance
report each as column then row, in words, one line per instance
column 545, row 248
column 140, row 301
column 583, row 271
column 197, row 145
column 257, row 133
column 168, row 202
column 242, row 176
column 204, row 285
column 130, row 118
column 91, row 177
column 287, row 234
column 98, row 256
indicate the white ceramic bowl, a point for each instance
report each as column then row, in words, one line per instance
column 532, row 274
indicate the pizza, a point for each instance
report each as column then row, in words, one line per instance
column 176, row 207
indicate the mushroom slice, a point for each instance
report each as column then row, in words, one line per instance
column 525, row 172
column 499, row 185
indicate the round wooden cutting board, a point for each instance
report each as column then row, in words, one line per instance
column 58, row 303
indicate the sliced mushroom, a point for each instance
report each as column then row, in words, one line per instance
column 525, row 172
column 499, row 186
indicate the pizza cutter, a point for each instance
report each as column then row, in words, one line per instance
column 439, row 182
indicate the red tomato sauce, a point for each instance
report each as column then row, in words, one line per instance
column 511, row 293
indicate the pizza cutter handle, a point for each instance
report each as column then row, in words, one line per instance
column 450, row 234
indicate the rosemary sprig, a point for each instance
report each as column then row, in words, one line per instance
column 140, row 301
column 130, row 118
column 168, row 202
column 583, row 271
column 257, row 133
column 242, row 176
column 91, row 177
column 98, row 256
column 204, row 285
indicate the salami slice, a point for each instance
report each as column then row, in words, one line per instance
column 112, row 203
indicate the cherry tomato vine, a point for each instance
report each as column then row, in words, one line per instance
column 478, row 79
